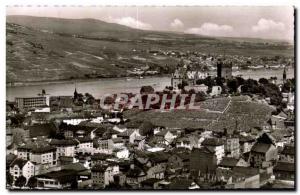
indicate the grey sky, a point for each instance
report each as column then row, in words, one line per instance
column 235, row 21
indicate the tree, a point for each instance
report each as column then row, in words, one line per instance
column 147, row 90
column 232, row 84
column 9, row 179
column 263, row 81
column 182, row 85
column 32, row 182
column 20, row 181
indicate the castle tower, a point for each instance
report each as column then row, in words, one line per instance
column 219, row 68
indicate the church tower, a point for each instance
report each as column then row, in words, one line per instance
column 284, row 75
column 75, row 93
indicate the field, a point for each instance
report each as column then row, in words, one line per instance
column 241, row 112
column 243, row 115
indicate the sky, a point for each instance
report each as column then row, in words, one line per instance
column 225, row 21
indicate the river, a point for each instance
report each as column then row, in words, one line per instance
column 101, row 87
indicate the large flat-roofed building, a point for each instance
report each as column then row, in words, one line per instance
column 31, row 102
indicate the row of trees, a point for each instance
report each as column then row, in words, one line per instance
column 21, row 181
column 262, row 87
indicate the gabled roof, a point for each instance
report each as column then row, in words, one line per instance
column 288, row 150
column 75, row 167
column 162, row 133
column 42, row 130
column 10, row 158
column 99, row 168
column 228, row 162
column 139, row 138
column 260, row 147
column 247, row 138
column 204, row 150
column 19, row 162
column 63, row 176
column 180, row 183
column 101, row 156
column 84, row 139
column 37, row 147
column 266, row 138
column 43, row 149
column 212, row 142
column 126, row 133
column 245, row 171
column 135, row 172
column 184, row 156
column 285, row 166
column 63, row 142
column 158, row 157
column 117, row 140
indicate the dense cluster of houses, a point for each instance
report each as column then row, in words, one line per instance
column 104, row 154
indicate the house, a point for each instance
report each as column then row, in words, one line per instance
column 246, row 143
column 189, row 142
column 179, row 161
column 63, row 179
column 287, row 154
column 129, row 135
column 198, row 88
column 20, row 167
column 243, row 178
column 102, row 175
column 121, row 153
column 139, row 142
column 277, row 121
column 264, row 152
column 44, row 155
column 284, row 171
column 166, row 136
column 38, row 152
column 156, row 164
column 42, row 130
column 203, row 162
column 100, row 158
column 85, row 145
column 80, row 130
column 64, row 160
column 64, row 147
column 232, row 147
column 151, row 184
column 103, row 145
column 216, row 91
column 118, row 142
column 183, row 184
column 230, row 163
column 216, row 145
column 135, row 175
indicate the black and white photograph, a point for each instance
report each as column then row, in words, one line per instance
column 106, row 98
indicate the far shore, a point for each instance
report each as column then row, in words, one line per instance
column 45, row 82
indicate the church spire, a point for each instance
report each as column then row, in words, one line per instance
column 284, row 75
column 75, row 92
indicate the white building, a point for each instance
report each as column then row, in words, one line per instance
column 216, row 90
column 20, row 167
column 216, row 145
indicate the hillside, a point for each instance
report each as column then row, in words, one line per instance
column 40, row 49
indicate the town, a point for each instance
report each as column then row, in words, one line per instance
column 241, row 137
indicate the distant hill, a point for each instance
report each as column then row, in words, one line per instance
column 40, row 48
